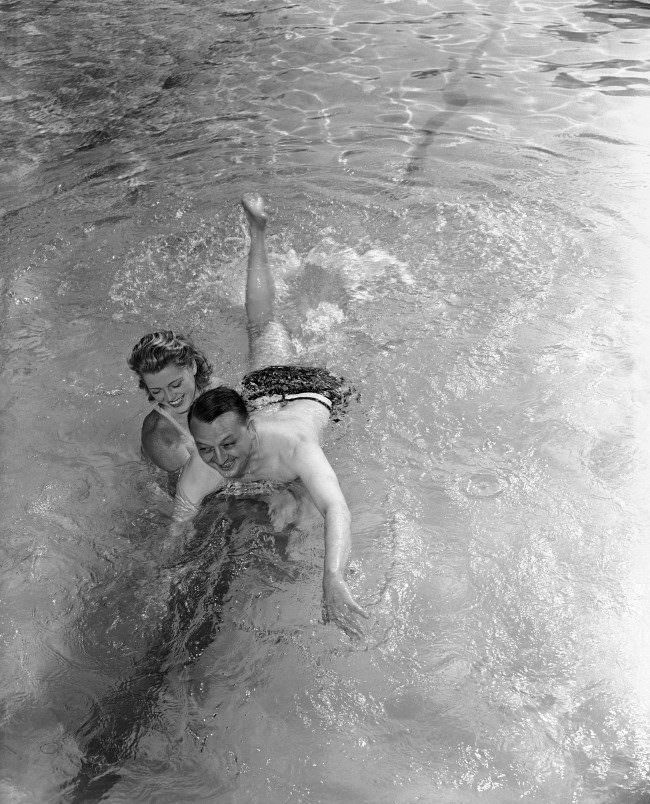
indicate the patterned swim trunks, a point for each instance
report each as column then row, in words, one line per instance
column 273, row 384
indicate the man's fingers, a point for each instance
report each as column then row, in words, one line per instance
column 350, row 626
column 344, row 619
column 356, row 608
column 344, row 612
column 347, row 620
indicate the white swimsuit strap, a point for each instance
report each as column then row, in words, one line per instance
column 169, row 417
column 310, row 395
column 185, row 434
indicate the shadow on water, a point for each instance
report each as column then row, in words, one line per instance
column 453, row 94
column 621, row 14
column 212, row 558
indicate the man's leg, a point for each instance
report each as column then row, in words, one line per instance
column 269, row 342
column 260, row 292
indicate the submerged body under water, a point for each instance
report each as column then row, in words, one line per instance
column 457, row 198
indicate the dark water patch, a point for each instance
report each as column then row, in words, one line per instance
column 187, row 152
column 111, row 220
column 246, row 15
column 567, row 81
column 95, row 138
column 434, row 72
column 178, row 80
column 637, row 86
column 613, row 460
column 549, row 152
column 202, row 578
column 419, row 21
column 109, row 170
column 621, row 14
column 638, row 89
column 111, row 734
column 574, row 35
column 601, row 138
column 635, row 65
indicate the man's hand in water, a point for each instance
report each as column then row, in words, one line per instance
column 339, row 606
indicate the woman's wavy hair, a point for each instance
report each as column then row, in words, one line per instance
column 155, row 351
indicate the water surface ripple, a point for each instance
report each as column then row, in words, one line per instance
column 458, row 196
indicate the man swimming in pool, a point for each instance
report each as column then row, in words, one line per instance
column 270, row 429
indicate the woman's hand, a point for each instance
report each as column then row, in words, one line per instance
column 339, row 606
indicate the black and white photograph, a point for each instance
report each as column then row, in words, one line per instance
column 325, row 401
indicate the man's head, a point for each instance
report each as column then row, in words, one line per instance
column 218, row 420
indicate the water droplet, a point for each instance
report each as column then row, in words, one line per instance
column 483, row 484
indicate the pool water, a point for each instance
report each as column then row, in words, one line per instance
column 458, row 197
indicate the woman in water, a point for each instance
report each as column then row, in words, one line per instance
column 174, row 373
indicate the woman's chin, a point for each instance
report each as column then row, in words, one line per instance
column 179, row 410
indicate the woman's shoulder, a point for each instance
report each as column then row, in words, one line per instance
column 162, row 443
column 156, row 426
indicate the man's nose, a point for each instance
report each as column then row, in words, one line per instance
column 220, row 454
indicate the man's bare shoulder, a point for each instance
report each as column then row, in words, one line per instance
column 297, row 421
column 197, row 480
column 286, row 445
column 286, row 433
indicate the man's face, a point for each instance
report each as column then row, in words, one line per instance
column 226, row 444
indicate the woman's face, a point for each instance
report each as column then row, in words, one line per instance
column 173, row 387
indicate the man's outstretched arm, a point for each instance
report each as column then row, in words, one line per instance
column 321, row 482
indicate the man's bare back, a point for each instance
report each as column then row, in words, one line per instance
column 280, row 437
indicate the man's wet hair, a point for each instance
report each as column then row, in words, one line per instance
column 215, row 402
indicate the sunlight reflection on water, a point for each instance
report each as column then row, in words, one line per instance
column 458, row 205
